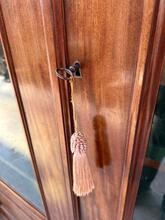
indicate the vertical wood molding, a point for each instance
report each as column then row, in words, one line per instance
column 62, row 97
column 10, row 65
column 148, row 11
column 61, row 50
column 151, row 82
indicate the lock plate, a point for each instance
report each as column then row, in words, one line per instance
column 75, row 68
column 74, row 71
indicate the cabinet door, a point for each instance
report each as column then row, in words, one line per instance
column 27, row 32
column 110, row 38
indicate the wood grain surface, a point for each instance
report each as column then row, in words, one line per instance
column 14, row 207
column 110, row 38
column 152, row 77
column 60, row 45
column 29, row 26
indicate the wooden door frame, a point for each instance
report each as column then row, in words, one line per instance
column 60, row 44
column 64, row 126
column 9, row 198
column 153, row 71
column 12, row 202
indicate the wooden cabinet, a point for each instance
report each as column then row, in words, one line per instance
column 121, row 50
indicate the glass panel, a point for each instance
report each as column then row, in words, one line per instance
column 150, row 203
column 15, row 162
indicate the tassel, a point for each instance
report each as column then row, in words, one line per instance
column 82, row 176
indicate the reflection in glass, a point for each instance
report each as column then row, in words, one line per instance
column 15, row 162
column 150, row 203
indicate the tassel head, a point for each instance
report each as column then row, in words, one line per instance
column 82, row 177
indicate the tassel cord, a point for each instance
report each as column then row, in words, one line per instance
column 73, row 104
column 82, row 178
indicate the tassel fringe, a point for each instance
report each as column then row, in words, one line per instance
column 82, row 177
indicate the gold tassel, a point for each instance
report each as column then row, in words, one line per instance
column 82, row 177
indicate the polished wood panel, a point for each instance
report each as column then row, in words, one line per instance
column 29, row 26
column 110, row 38
column 153, row 71
column 14, row 207
column 10, row 65
column 62, row 61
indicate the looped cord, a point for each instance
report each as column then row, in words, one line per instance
column 71, row 81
